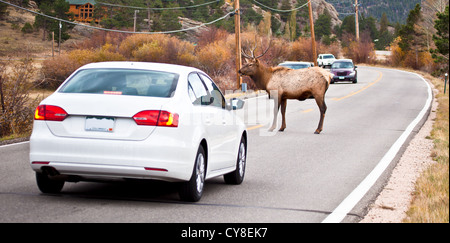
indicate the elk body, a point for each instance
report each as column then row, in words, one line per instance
column 297, row 84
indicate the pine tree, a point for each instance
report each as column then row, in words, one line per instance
column 58, row 9
column 408, row 32
column 385, row 37
column 413, row 40
column 322, row 26
column 441, row 53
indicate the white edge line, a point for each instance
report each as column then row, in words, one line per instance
column 358, row 193
column 13, row 144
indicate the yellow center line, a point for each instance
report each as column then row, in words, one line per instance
column 254, row 127
column 362, row 89
column 306, row 111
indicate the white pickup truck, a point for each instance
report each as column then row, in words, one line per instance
column 325, row 60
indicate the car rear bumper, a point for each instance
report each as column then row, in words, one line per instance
column 157, row 157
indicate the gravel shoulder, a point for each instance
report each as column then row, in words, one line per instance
column 394, row 200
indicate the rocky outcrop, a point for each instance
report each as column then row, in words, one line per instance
column 319, row 7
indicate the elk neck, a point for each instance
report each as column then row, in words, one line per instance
column 262, row 76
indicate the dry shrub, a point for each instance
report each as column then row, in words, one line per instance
column 278, row 51
column 397, row 54
column 301, row 50
column 134, row 42
column 80, row 57
column 334, row 48
column 227, row 79
column 100, row 38
column 106, row 53
column 215, row 58
column 164, row 49
column 418, row 61
column 360, row 52
column 56, row 70
column 210, row 35
column 148, row 52
column 16, row 108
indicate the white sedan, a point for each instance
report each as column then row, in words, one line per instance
column 120, row 120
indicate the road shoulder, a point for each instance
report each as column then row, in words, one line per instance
column 394, row 200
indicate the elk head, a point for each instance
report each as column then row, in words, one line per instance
column 252, row 65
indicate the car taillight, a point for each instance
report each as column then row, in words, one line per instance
column 167, row 119
column 156, row 118
column 50, row 113
column 146, row 118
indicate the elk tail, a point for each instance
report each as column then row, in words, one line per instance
column 328, row 77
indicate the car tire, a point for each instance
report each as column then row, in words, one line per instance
column 236, row 177
column 192, row 190
column 47, row 185
column 355, row 81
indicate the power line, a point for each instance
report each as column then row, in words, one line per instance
column 122, row 31
column 143, row 8
column 281, row 10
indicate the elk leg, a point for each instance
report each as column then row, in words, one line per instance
column 276, row 107
column 283, row 112
column 320, row 100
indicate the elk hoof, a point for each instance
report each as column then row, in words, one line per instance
column 282, row 129
column 317, row 132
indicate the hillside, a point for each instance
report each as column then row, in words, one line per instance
column 396, row 10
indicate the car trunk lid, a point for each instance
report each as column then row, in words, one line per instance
column 100, row 116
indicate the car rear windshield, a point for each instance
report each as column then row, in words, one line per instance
column 122, row 82
column 328, row 56
column 295, row 66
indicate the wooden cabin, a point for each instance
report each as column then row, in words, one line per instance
column 83, row 10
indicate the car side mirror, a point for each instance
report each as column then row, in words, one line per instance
column 207, row 100
column 236, row 104
column 356, row 66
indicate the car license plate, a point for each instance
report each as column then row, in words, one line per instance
column 341, row 77
column 99, row 124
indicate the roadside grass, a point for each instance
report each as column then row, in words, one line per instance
column 430, row 202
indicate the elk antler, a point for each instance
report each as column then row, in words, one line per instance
column 245, row 54
column 253, row 51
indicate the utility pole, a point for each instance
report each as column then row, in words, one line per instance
column 237, row 30
column 356, row 21
column 313, row 36
column 135, row 17
column 2, row 101
column 53, row 43
column 59, row 40
column 148, row 17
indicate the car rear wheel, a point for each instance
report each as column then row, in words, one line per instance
column 236, row 177
column 47, row 185
column 192, row 190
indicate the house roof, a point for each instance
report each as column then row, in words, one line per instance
column 81, row 2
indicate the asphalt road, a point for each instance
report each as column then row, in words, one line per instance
column 291, row 176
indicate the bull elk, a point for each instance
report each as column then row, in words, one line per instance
column 288, row 83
